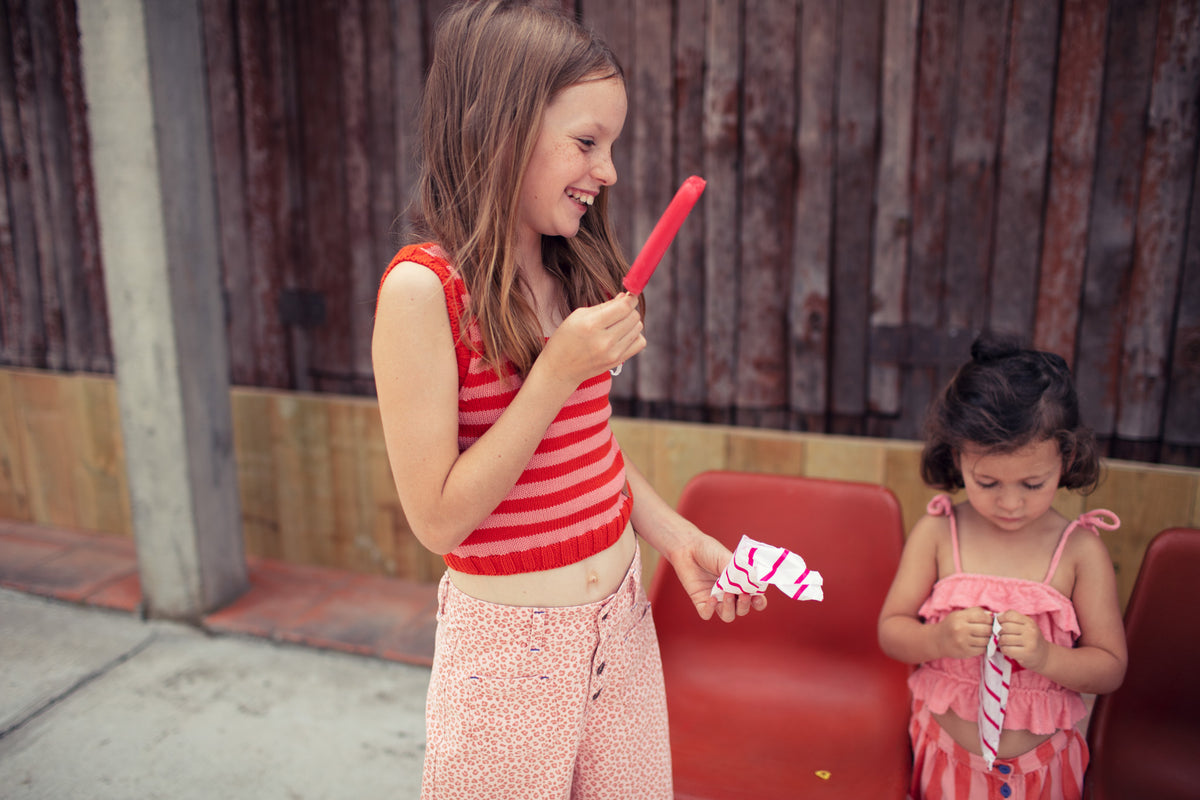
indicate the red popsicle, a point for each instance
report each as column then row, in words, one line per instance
column 664, row 231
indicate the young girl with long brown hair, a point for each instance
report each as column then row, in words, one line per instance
column 492, row 349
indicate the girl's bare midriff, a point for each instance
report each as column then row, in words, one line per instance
column 587, row 581
column 966, row 733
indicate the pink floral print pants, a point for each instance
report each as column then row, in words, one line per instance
column 547, row 702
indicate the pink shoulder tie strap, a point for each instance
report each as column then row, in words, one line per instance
column 941, row 506
column 1092, row 520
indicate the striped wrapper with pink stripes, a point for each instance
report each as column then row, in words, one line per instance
column 755, row 566
column 993, row 694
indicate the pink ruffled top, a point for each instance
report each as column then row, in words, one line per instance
column 1035, row 703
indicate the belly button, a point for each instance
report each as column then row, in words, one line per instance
column 593, row 577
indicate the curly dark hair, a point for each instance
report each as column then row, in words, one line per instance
column 1006, row 397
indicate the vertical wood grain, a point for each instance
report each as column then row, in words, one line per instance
column 1078, row 90
column 229, row 179
column 859, row 47
column 971, row 198
column 1024, row 153
column 264, row 126
column 654, row 184
column 723, row 256
column 768, row 168
column 1103, row 311
column 809, row 313
column 1163, row 203
column 893, row 215
column 689, row 388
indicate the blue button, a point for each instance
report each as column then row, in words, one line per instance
column 1004, row 769
column 1006, row 790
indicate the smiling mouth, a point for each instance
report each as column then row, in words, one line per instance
column 580, row 197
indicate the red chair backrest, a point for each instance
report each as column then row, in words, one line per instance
column 1145, row 737
column 852, row 533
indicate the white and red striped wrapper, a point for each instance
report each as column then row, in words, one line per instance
column 993, row 694
column 755, row 566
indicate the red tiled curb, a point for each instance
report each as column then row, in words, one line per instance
column 318, row 607
column 78, row 567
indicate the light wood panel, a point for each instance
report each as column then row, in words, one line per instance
column 316, row 487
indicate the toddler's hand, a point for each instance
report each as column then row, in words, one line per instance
column 965, row 633
column 1022, row 640
column 595, row 338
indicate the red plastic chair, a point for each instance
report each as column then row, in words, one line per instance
column 1145, row 737
column 796, row 701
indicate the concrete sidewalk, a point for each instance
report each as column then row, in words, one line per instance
column 99, row 705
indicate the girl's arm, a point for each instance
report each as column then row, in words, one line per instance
column 446, row 495
column 698, row 558
column 902, row 634
column 1096, row 665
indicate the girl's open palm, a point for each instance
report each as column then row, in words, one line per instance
column 964, row 633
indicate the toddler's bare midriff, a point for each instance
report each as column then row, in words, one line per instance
column 966, row 732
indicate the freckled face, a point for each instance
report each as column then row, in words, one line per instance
column 1012, row 490
column 572, row 158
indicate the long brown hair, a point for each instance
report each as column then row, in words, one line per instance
column 496, row 65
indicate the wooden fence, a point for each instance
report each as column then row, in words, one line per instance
column 316, row 488
column 886, row 178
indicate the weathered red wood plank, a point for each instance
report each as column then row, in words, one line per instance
column 937, row 67
column 1181, row 424
column 1161, row 220
column 1021, row 199
column 689, row 388
column 1102, row 322
column 62, row 289
column 858, row 125
column 971, row 202
column 385, row 105
column 1078, row 89
column 265, row 122
column 768, row 169
column 893, row 216
column 225, row 114
column 321, row 266
column 653, row 183
column 403, row 97
column 722, row 256
column 25, row 75
column 10, row 299
column 21, row 321
column 360, row 278
column 809, row 311
column 90, row 328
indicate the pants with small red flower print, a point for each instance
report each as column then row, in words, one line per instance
column 547, row 702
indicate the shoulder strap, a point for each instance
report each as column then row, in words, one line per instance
column 1093, row 521
column 429, row 255
column 940, row 506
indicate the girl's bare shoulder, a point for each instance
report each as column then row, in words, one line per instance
column 409, row 281
column 1086, row 549
column 931, row 532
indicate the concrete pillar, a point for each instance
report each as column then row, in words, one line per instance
column 144, row 76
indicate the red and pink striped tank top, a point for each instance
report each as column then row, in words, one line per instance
column 571, row 501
